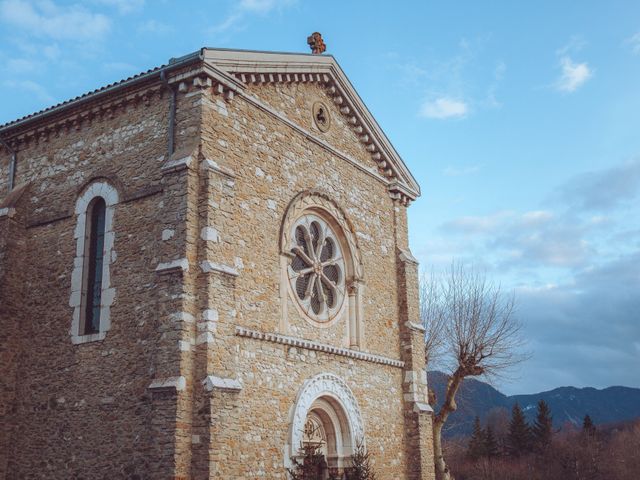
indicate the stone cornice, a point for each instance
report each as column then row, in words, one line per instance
column 314, row 138
column 226, row 72
column 175, row 384
column 266, row 67
column 317, row 346
column 113, row 100
column 74, row 117
column 180, row 265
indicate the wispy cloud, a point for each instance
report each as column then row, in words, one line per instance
column 584, row 221
column 536, row 238
column 46, row 19
column 498, row 74
column 604, row 189
column 461, row 171
column 573, row 75
column 21, row 65
column 566, row 322
column 249, row 7
column 444, row 107
column 634, row 43
column 123, row 6
column 263, row 6
column 154, row 27
column 575, row 44
column 484, row 224
column 32, row 87
column 120, row 67
column 448, row 91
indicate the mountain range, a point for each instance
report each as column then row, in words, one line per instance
column 567, row 404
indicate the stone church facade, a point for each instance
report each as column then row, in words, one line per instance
column 203, row 268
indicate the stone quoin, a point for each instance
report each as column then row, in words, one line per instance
column 204, row 267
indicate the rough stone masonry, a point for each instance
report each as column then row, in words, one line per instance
column 254, row 285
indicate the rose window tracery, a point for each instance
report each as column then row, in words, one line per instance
column 316, row 269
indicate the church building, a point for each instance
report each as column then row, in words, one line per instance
column 203, row 269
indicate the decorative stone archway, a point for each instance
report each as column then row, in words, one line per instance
column 328, row 411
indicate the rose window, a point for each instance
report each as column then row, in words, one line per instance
column 316, row 271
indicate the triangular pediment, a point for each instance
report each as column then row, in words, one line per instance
column 229, row 73
column 251, row 67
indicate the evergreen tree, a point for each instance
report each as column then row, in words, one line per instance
column 475, row 449
column 519, row 436
column 361, row 468
column 542, row 429
column 491, row 448
column 588, row 428
column 311, row 467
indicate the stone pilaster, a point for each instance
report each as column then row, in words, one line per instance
column 12, row 250
column 417, row 412
column 177, row 273
column 216, row 326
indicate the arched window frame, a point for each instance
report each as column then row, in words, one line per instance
column 331, row 394
column 79, row 275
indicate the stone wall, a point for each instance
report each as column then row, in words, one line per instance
column 84, row 410
column 12, row 251
column 197, row 238
column 271, row 164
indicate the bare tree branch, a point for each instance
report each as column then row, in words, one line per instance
column 470, row 330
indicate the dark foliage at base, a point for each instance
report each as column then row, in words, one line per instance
column 589, row 453
column 361, row 468
column 313, row 466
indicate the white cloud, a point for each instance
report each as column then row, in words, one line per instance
column 634, row 42
column 249, row 7
column 123, row 6
column 263, row 6
column 519, row 240
column 574, row 45
column 603, row 190
column 573, row 76
column 226, row 24
column 491, row 100
column 32, row 87
column 21, row 65
column 444, row 107
column 46, row 19
column 154, row 26
column 536, row 217
column 479, row 224
column 120, row 67
column 499, row 70
column 460, row 171
column 51, row 52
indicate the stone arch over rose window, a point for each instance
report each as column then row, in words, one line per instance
column 321, row 265
column 326, row 414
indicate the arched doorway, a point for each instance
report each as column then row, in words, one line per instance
column 326, row 415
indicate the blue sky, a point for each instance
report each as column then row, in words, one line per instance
column 521, row 121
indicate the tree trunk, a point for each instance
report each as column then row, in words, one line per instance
column 442, row 469
column 449, row 406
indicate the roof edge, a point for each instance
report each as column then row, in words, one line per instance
column 173, row 64
column 272, row 66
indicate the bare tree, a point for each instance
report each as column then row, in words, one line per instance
column 471, row 330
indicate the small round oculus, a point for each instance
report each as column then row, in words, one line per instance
column 321, row 116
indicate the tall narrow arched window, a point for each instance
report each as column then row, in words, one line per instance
column 94, row 264
column 91, row 291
